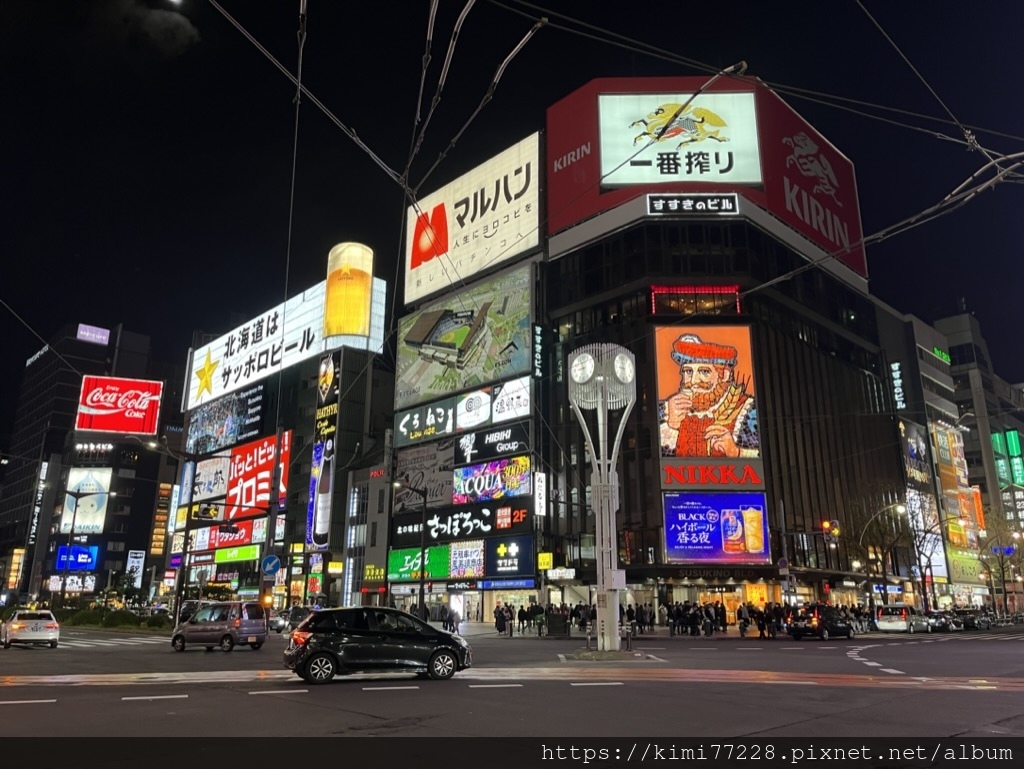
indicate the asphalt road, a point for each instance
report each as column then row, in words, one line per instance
column 103, row 683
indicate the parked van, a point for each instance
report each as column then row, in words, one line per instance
column 901, row 618
column 223, row 624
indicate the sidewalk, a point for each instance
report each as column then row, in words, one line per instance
column 484, row 629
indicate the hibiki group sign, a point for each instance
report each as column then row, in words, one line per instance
column 114, row 405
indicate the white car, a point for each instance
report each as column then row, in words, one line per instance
column 32, row 628
column 900, row 618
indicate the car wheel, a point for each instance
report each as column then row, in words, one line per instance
column 178, row 643
column 929, row 629
column 911, row 629
column 824, row 634
column 319, row 668
column 256, row 646
column 227, row 644
column 442, row 665
column 53, row 644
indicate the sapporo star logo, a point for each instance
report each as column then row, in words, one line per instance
column 205, row 374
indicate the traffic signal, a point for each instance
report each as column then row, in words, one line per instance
column 834, row 528
column 430, row 587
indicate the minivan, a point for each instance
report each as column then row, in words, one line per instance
column 901, row 618
column 225, row 625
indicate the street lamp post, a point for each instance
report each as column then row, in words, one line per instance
column 900, row 508
column 420, row 607
column 77, row 496
column 602, row 378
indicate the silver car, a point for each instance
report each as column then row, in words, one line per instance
column 901, row 618
column 31, row 628
column 226, row 625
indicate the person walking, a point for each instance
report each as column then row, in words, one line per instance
column 743, row 619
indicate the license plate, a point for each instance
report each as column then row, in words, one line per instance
column 252, row 639
column 36, row 628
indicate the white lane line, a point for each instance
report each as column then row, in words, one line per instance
column 651, row 648
column 24, row 702
column 158, row 697
column 495, row 686
column 282, row 691
column 656, row 659
column 561, row 658
column 783, row 648
column 703, row 648
column 873, row 664
column 748, row 648
column 387, row 688
column 598, row 683
column 894, row 672
column 828, row 647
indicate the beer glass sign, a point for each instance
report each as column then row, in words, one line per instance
column 349, row 291
column 716, row 528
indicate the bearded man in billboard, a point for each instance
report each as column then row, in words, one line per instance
column 712, row 415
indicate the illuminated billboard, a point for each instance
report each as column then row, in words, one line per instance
column 323, row 466
column 716, row 528
column 349, row 292
column 479, row 335
column 735, row 136
column 429, row 468
column 404, row 565
column 466, row 559
column 251, row 473
column 85, row 501
column 211, row 478
column 480, row 220
column 500, row 479
column 282, row 336
column 507, row 517
column 226, row 421
column 115, row 405
column 509, row 556
column 83, row 558
column 492, row 443
column 651, row 138
column 707, row 405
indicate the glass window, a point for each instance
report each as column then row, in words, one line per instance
column 203, row 615
column 252, row 611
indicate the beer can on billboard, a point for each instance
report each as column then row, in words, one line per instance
column 349, row 291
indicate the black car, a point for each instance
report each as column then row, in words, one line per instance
column 821, row 621
column 974, row 619
column 295, row 615
column 370, row 638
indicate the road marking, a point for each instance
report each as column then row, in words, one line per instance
column 656, row 659
column 651, row 648
column 387, row 688
column 495, row 686
column 894, row 672
column 282, row 691
column 158, row 697
column 703, row 648
column 782, row 648
column 597, row 683
column 748, row 648
column 827, row 647
column 561, row 658
column 24, row 702
column 873, row 664
column 797, row 683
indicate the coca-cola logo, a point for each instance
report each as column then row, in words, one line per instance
column 110, row 400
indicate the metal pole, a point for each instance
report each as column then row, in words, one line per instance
column 785, row 551
column 67, row 555
column 182, row 579
column 423, row 556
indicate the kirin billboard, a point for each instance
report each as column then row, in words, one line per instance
column 615, row 139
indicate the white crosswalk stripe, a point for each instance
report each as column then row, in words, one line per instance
column 960, row 636
column 103, row 643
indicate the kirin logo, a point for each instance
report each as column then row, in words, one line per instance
column 673, row 121
column 812, row 163
column 430, row 236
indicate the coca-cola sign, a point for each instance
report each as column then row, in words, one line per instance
column 115, row 405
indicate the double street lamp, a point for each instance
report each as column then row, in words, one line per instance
column 421, row 606
column 76, row 496
column 900, row 509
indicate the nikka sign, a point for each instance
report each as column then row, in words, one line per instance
column 711, row 474
column 113, row 405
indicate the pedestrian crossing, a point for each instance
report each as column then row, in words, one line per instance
column 958, row 636
column 106, row 643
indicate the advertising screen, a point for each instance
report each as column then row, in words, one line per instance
column 325, row 427
column 83, row 558
column 426, row 422
column 716, row 528
column 404, row 564
column 226, row 421
column 251, row 474
column 466, row 559
column 135, row 565
column 211, row 478
column 706, row 392
column 429, row 468
column 243, row 535
column 802, row 179
column 509, row 556
column 499, row 479
column 916, row 457
column 112, row 405
column 85, row 502
column 481, row 219
column 280, row 337
column 646, row 138
column 512, row 517
column 492, row 443
column 478, row 335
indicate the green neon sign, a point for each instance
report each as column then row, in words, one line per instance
column 941, row 355
column 231, row 554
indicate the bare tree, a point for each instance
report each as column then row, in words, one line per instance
column 1000, row 548
column 877, row 533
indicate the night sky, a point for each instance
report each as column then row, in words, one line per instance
column 147, row 146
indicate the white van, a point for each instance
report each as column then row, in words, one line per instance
column 901, row 618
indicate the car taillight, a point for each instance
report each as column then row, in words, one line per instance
column 52, row 626
column 301, row 637
column 18, row 626
column 238, row 623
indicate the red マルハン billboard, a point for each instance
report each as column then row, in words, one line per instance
column 615, row 139
column 116, row 405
